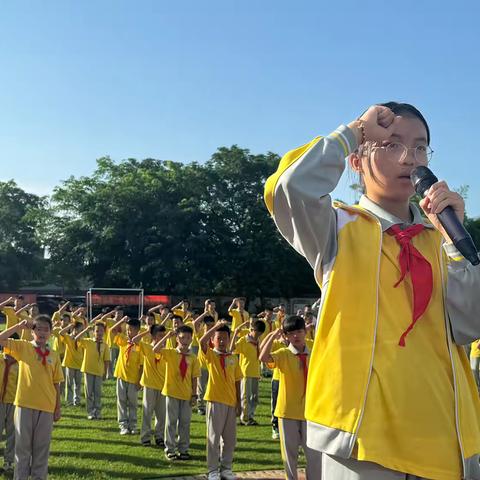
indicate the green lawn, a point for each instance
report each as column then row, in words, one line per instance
column 83, row 449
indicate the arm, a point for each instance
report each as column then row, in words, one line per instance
column 264, row 355
column 57, row 413
column 196, row 322
column 6, row 302
column 161, row 344
column 167, row 317
column 463, row 302
column 83, row 332
column 232, row 305
column 298, row 194
column 65, row 330
column 25, row 307
column 239, row 399
column 63, row 307
column 116, row 326
column 137, row 338
column 233, row 341
column 155, row 308
column 178, row 305
column 10, row 331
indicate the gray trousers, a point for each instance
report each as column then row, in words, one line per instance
column 73, row 385
column 93, row 394
column 114, row 351
column 33, row 431
column 7, row 411
column 202, row 387
column 177, row 429
column 293, row 434
column 475, row 366
column 221, row 436
column 249, row 398
column 336, row 468
column 153, row 402
column 127, row 399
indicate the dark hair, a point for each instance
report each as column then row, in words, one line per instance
column 100, row 324
column 65, row 315
column 184, row 329
column 77, row 325
column 42, row 319
column 134, row 323
column 292, row 323
column 223, row 328
column 154, row 329
column 259, row 326
column 177, row 317
column 407, row 110
column 208, row 319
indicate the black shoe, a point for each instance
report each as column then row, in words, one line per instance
column 184, row 456
column 147, row 443
column 160, row 443
column 171, row 456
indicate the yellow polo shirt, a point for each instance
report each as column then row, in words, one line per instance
column 238, row 317
column 221, row 384
column 475, row 349
column 11, row 316
column 175, row 386
column 8, row 395
column 57, row 345
column 291, row 389
column 36, row 382
column 129, row 361
column 153, row 375
column 93, row 361
column 73, row 357
column 249, row 362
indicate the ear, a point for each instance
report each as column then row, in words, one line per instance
column 355, row 162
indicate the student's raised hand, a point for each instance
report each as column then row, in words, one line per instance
column 378, row 123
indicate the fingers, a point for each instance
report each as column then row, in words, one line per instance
column 440, row 197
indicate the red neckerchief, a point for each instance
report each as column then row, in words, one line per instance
column 183, row 366
column 304, row 365
column 128, row 351
column 223, row 357
column 411, row 260
column 43, row 355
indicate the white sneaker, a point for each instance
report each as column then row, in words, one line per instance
column 124, row 431
column 213, row 476
column 227, row 475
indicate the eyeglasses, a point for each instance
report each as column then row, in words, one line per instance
column 398, row 152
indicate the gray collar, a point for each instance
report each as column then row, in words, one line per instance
column 387, row 219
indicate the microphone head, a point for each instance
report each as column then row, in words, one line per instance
column 422, row 179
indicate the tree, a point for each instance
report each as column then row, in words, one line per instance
column 21, row 252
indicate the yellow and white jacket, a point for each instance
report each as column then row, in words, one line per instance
column 364, row 391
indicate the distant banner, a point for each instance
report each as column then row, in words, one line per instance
column 112, row 299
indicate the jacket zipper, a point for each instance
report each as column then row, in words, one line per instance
column 355, row 436
column 449, row 343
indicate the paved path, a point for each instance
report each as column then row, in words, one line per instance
column 267, row 475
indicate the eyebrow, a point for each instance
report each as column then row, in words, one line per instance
column 417, row 139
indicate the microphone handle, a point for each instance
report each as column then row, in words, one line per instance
column 458, row 234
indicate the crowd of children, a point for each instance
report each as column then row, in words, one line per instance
column 179, row 358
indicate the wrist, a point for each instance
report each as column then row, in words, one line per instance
column 358, row 130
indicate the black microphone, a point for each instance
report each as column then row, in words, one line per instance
column 422, row 179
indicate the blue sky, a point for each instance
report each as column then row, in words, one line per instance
column 176, row 80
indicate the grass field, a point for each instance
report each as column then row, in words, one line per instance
column 86, row 449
